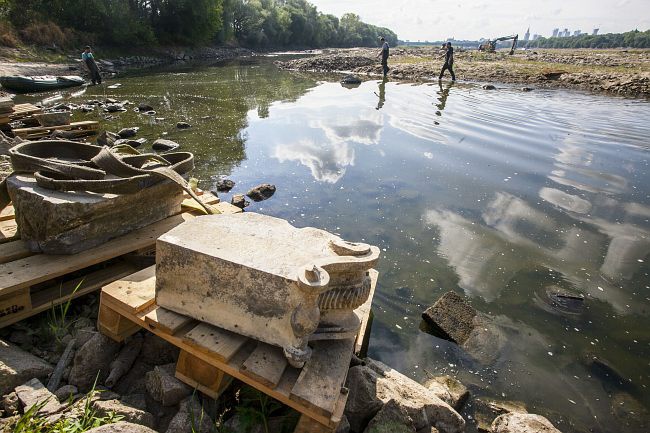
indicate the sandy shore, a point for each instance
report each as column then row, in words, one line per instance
column 624, row 72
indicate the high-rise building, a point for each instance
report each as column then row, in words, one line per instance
column 555, row 32
column 527, row 34
column 595, row 32
column 566, row 33
column 577, row 33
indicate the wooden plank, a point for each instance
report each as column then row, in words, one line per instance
column 8, row 213
column 218, row 342
column 319, row 384
column 86, row 124
column 363, row 313
column 308, row 425
column 165, row 320
column 41, row 267
column 8, row 230
column 200, row 375
column 265, row 365
column 14, row 303
column 59, row 293
column 114, row 324
column 136, row 292
column 14, row 250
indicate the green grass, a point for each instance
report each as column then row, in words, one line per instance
column 32, row 422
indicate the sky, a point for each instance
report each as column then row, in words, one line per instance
column 472, row 19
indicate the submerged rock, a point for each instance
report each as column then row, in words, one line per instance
column 144, row 107
column 261, row 192
column 183, row 125
column 128, row 132
column 449, row 390
column 164, row 145
column 451, row 317
column 488, row 87
column 351, row 79
column 225, row 185
column 522, row 423
column 486, row 411
column 239, row 201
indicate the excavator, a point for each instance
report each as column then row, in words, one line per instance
column 491, row 46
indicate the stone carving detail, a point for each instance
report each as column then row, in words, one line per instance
column 259, row 276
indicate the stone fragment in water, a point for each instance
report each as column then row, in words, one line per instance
column 261, row 192
column 488, row 87
column 522, row 423
column 239, row 201
column 225, row 185
column 351, row 79
column 449, row 390
column 527, row 89
column 183, row 125
column 144, row 107
column 66, row 222
column 164, row 145
column 18, row 366
column 452, row 317
column 485, row 411
column 128, row 132
column 259, row 276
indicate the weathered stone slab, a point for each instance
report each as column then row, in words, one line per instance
column 18, row 366
column 66, row 222
column 452, row 317
column 260, row 277
column 34, row 393
column 522, row 423
column 449, row 390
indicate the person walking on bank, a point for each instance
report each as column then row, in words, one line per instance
column 87, row 57
column 449, row 62
column 384, row 55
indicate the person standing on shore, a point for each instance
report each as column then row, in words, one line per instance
column 449, row 62
column 87, row 57
column 384, row 52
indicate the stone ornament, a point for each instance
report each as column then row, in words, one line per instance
column 261, row 277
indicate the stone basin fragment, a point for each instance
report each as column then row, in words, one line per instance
column 261, row 277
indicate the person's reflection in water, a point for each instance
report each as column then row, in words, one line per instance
column 382, row 94
column 443, row 93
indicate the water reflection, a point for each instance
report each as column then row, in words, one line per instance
column 443, row 94
column 382, row 93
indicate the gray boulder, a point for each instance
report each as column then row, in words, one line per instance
column 130, row 414
column 375, row 384
column 18, row 366
column 488, row 87
column 128, row 132
column 65, row 392
column 191, row 418
column 183, row 125
column 449, row 390
column 225, row 185
column 163, row 386
column 93, row 361
column 452, row 317
column 164, row 145
column 121, row 427
column 144, row 107
column 344, row 425
column 522, row 423
column 261, row 192
column 391, row 418
column 486, row 411
column 34, row 393
column 239, row 201
column 10, row 404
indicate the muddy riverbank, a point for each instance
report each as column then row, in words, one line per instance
column 624, row 72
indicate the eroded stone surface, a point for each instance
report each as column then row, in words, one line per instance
column 391, row 418
column 452, row 317
column 122, row 427
column 522, row 423
column 18, row 366
column 34, row 393
column 242, row 272
column 376, row 384
column 163, row 386
column 130, row 414
column 67, row 222
column 449, row 390
column 92, row 361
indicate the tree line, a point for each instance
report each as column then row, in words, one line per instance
column 633, row 39
column 250, row 23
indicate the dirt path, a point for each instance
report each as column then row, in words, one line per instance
column 615, row 71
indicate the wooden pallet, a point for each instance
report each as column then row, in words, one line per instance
column 32, row 282
column 19, row 111
column 88, row 126
column 210, row 356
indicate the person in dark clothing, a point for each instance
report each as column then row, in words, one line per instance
column 89, row 60
column 384, row 52
column 449, row 62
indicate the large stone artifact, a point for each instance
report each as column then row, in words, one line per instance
column 70, row 196
column 261, row 277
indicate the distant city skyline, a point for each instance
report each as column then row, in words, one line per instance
column 474, row 19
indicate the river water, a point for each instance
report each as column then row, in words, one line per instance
column 505, row 196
